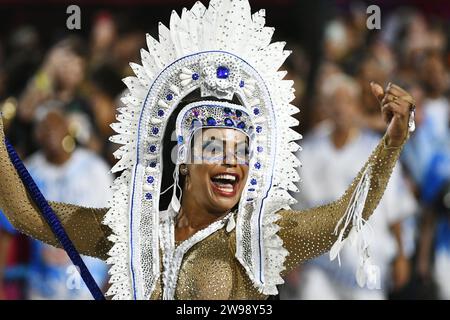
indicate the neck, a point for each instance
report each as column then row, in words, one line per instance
column 342, row 135
column 58, row 159
column 193, row 218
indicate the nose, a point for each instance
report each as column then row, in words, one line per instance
column 230, row 158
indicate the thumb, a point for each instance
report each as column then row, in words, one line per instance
column 377, row 90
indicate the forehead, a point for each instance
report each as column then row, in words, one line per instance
column 224, row 134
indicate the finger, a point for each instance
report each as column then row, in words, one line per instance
column 395, row 109
column 388, row 97
column 408, row 99
column 395, row 91
column 387, row 112
column 398, row 88
column 377, row 90
column 400, row 93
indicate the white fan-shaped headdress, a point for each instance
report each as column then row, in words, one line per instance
column 223, row 50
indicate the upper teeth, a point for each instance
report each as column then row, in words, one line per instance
column 225, row 177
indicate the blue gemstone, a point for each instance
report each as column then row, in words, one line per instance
column 150, row 179
column 259, row 149
column 256, row 111
column 223, row 72
column 238, row 113
column 211, row 121
column 228, row 122
column 258, row 129
column 169, row 97
column 152, row 164
column 241, row 125
column 242, row 84
column 251, row 189
column 258, row 165
column 148, row 196
column 253, row 182
column 195, row 76
column 180, row 139
column 160, row 113
column 152, row 148
column 227, row 110
column 155, row 130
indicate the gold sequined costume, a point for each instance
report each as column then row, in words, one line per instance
column 209, row 269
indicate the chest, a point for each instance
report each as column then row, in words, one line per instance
column 202, row 267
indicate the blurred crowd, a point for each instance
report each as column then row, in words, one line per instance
column 411, row 227
column 58, row 101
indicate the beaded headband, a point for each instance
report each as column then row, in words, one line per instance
column 209, row 114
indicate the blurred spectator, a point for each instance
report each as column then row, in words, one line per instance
column 377, row 65
column 435, row 79
column 106, row 87
column 433, row 260
column 126, row 48
column 23, row 54
column 103, row 36
column 60, row 79
column 68, row 174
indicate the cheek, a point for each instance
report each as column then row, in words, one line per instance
column 198, row 176
column 244, row 176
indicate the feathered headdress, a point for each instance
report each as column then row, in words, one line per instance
column 223, row 51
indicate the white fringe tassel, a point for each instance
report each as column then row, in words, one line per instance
column 357, row 236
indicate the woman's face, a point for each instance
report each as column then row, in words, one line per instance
column 218, row 170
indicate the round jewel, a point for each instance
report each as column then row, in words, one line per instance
column 223, row 72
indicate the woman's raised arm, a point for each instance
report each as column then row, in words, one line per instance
column 310, row 233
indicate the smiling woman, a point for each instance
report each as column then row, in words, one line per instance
column 219, row 169
column 226, row 231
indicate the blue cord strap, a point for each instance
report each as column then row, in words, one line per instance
column 53, row 222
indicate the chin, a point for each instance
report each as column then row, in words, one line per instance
column 224, row 206
column 221, row 203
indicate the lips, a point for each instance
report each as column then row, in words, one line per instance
column 225, row 184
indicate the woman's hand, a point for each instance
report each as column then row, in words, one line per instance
column 396, row 104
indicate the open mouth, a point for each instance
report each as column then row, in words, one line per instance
column 225, row 183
